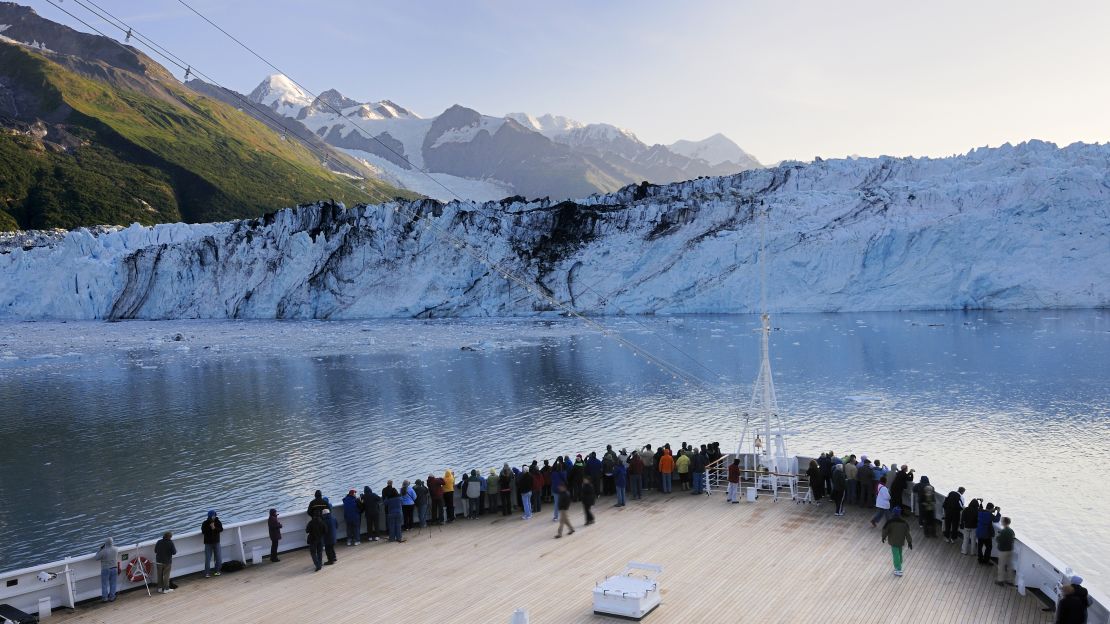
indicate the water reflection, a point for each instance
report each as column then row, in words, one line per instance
column 131, row 444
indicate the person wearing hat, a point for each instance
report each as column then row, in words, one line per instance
column 164, row 551
column 352, row 517
column 273, row 525
column 897, row 532
column 1072, row 608
column 211, row 529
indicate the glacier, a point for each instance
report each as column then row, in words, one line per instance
column 1025, row 226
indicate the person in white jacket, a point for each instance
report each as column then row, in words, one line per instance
column 882, row 503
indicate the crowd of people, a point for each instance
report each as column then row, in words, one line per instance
column 623, row 476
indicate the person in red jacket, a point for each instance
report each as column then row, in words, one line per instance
column 733, row 481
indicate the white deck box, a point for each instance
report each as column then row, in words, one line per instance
column 632, row 594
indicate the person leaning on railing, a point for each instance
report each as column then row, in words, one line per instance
column 164, row 550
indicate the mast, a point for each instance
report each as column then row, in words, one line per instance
column 768, row 446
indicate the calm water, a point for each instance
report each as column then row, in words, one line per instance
column 1015, row 406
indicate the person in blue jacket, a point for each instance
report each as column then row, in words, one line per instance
column 558, row 478
column 371, row 506
column 408, row 503
column 620, row 482
column 594, row 468
column 352, row 516
column 393, row 515
column 330, row 529
column 984, row 531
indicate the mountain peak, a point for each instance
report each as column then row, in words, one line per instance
column 715, row 149
column 280, row 93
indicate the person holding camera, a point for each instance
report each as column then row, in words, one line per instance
column 984, row 531
column 108, row 556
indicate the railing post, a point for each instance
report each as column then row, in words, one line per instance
column 242, row 550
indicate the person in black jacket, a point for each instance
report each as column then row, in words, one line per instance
column 564, row 507
column 816, row 481
column 371, row 504
column 969, row 521
column 211, row 530
column 588, row 499
column 1072, row 608
column 576, row 473
column 316, row 530
column 317, row 504
column 164, row 551
column 953, row 506
column 274, row 527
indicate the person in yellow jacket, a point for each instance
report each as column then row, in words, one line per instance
column 449, row 494
column 682, row 467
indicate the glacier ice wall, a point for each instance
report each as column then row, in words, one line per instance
column 1024, row 226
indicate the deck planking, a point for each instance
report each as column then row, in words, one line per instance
column 767, row 562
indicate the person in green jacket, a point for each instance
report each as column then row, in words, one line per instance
column 1005, row 541
column 897, row 531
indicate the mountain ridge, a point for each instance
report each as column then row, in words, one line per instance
column 601, row 157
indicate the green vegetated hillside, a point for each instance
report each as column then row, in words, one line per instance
column 83, row 142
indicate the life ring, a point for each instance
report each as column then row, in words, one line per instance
column 135, row 573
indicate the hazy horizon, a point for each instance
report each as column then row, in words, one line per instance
column 863, row 78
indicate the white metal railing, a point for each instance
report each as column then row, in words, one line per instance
column 78, row 578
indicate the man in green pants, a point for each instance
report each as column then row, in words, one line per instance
column 897, row 532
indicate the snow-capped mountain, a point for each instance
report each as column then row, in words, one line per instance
column 482, row 157
column 281, row 94
column 716, row 150
column 1011, row 227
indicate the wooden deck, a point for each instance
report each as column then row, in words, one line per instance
column 761, row 562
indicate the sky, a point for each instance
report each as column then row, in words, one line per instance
column 784, row 80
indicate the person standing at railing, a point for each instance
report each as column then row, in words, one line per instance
column 315, row 530
column 575, row 473
column 1005, row 542
column 816, row 481
column 620, row 482
column 647, row 458
column 352, row 517
column 371, row 508
column 927, row 507
column 393, row 515
column 734, row 481
column 1072, row 608
column 866, row 476
column 698, row 460
column 449, row 494
column 435, row 489
column 953, row 506
column 473, row 494
column 969, row 522
column 211, row 529
column 666, row 470
column 839, row 483
column 682, row 467
column 545, row 474
column 524, row 486
column 331, row 527
column 108, row 556
column 423, row 501
column 636, row 475
column 273, row 525
column 984, row 532
column 164, row 550
column 537, row 488
column 408, row 503
column 851, row 481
